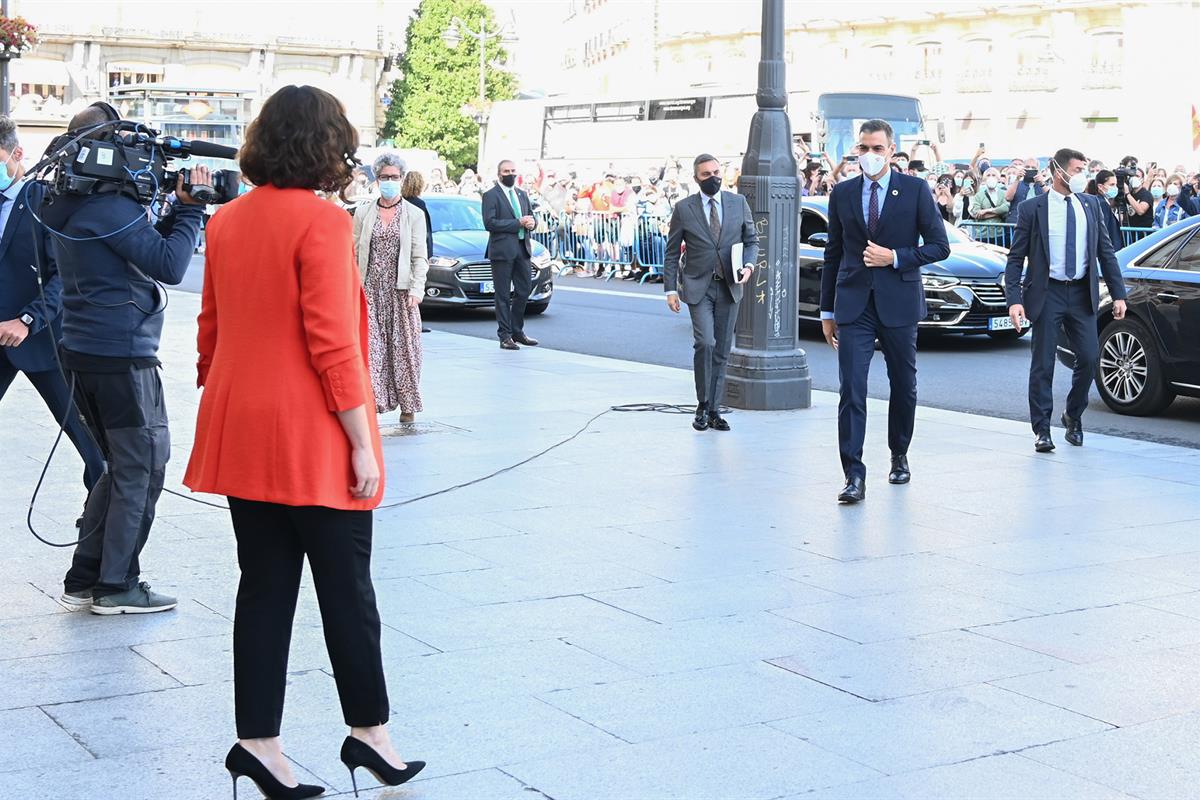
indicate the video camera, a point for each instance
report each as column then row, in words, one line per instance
column 131, row 157
column 1127, row 170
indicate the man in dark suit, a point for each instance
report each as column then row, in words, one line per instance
column 709, row 224
column 871, row 290
column 29, row 327
column 1064, row 236
column 508, row 218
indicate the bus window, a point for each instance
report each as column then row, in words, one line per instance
column 845, row 113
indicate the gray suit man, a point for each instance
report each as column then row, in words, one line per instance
column 698, row 270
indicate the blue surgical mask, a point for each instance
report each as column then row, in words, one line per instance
column 389, row 190
column 1156, row 192
column 6, row 180
column 1111, row 192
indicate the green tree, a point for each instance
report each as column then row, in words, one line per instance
column 438, row 80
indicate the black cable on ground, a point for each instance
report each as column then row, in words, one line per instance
column 662, row 408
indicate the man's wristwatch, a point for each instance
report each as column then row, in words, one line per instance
column 27, row 319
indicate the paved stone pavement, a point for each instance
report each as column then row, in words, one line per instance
column 650, row 613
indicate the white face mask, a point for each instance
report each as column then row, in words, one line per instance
column 1135, row 182
column 1173, row 190
column 872, row 163
column 992, row 182
column 1078, row 183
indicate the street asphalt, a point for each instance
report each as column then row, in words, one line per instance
column 974, row 375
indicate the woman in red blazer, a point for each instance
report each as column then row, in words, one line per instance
column 287, row 431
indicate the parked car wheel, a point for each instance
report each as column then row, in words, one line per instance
column 534, row 309
column 1130, row 374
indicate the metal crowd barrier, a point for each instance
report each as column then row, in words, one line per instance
column 997, row 233
column 603, row 239
column 1131, row 235
column 1001, row 233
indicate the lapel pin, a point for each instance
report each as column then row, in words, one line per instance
column 895, row 192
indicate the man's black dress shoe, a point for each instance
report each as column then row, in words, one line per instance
column 717, row 422
column 700, row 423
column 1043, row 443
column 855, row 491
column 1074, row 430
column 521, row 338
column 900, row 472
column 508, row 344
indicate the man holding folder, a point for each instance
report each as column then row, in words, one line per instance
column 717, row 232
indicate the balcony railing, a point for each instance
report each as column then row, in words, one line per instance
column 1032, row 79
column 1103, row 76
column 974, row 80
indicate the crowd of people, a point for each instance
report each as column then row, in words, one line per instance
column 612, row 221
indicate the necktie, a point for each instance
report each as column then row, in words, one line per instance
column 873, row 210
column 512, row 198
column 714, row 228
column 1069, row 256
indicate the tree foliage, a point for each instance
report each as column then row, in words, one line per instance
column 438, row 80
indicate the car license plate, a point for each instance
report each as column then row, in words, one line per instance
column 1000, row 324
column 487, row 287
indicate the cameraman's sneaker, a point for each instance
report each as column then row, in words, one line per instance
column 139, row 600
column 76, row 601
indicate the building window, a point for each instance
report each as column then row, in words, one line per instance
column 929, row 62
column 879, row 62
column 1107, row 57
column 119, row 76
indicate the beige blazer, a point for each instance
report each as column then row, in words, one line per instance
column 413, row 265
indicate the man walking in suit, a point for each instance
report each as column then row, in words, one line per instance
column 508, row 218
column 1064, row 236
column 709, row 224
column 871, row 289
column 29, row 328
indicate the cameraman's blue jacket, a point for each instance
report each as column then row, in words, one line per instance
column 110, row 299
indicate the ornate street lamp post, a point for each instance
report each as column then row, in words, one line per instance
column 767, row 369
column 478, row 110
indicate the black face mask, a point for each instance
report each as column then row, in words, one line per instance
column 711, row 185
column 509, row 181
column 637, row 189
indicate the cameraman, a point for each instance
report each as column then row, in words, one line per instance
column 1139, row 203
column 110, row 259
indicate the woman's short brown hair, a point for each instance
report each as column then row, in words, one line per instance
column 413, row 185
column 300, row 139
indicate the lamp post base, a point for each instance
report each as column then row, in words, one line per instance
column 772, row 380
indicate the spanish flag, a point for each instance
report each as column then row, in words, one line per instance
column 1195, row 129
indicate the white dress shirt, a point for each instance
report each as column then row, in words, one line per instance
column 1058, row 236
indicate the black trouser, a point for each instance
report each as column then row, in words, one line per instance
column 1068, row 305
column 55, row 393
column 127, row 414
column 513, row 283
column 272, row 541
column 856, row 348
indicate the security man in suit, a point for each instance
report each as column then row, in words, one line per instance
column 30, row 327
column 508, row 218
column 1064, row 237
column 709, row 224
column 871, row 290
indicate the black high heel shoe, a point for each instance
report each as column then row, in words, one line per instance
column 241, row 761
column 357, row 754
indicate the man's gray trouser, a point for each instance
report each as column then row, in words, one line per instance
column 127, row 415
column 712, row 339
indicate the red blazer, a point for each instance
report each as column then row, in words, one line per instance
column 283, row 345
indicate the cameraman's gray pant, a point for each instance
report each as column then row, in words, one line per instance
column 127, row 415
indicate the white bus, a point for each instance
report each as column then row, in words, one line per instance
column 643, row 131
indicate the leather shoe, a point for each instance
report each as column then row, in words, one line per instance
column 854, row 492
column 1043, row 443
column 700, row 423
column 508, row 344
column 521, row 338
column 717, row 422
column 900, row 472
column 1074, row 430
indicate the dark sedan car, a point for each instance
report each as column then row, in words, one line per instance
column 1152, row 355
column 964, row 293
column 460, row 275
